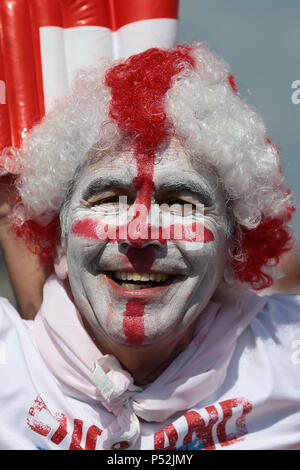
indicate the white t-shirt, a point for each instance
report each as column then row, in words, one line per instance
column 257, row 405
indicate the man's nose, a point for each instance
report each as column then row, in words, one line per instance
column 139, row 230
column 140, row 244
column 141, row 257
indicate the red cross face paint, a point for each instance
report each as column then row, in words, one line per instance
column 140, row 290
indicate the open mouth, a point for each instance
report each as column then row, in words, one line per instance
column 137, row 281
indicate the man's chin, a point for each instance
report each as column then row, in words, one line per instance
column 137, row 317
column 152, row 339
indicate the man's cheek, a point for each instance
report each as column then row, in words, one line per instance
column 196, row 251
column 80, row 260
column 83, row 251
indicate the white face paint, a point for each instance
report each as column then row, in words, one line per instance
column 176, row 277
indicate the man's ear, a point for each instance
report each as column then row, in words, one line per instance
column 60, row 263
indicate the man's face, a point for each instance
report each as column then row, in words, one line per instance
column 142, row 276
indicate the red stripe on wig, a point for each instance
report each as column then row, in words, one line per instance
column 138, row 88
column 38, row 239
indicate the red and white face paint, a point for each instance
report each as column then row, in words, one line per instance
column 138, row 282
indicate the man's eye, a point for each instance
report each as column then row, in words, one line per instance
column 110, row 200
column 176, row 201
column 178, row 207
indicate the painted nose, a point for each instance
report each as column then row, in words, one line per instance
column 139, row 244
column 140, row 233
column 141, row 259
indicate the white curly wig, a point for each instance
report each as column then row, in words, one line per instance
column 205, row 111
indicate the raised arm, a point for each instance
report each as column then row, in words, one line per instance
column 27, row 273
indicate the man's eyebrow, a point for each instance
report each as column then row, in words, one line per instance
column 187, row 186
column 102, row 184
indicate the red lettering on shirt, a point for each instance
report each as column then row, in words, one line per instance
column 241, row 429
column 202, row 426
column 36, row 422
column 91, row 437
column 159, row 438
column 205, row 427
column 61, row 432
column 77, row 435
column 203, row 430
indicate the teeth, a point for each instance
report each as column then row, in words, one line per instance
column 125, row 276
column 131, row 286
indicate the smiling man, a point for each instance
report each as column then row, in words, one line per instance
column 173, row 211
column 137, row 277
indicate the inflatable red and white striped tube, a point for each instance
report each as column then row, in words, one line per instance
column 43, row 45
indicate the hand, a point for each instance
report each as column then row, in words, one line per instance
column 7, row 197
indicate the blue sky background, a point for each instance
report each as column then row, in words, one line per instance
column 261, row 41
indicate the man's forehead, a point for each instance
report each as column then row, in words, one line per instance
column 121, row 164
column 176, row 178
column 168, row 150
